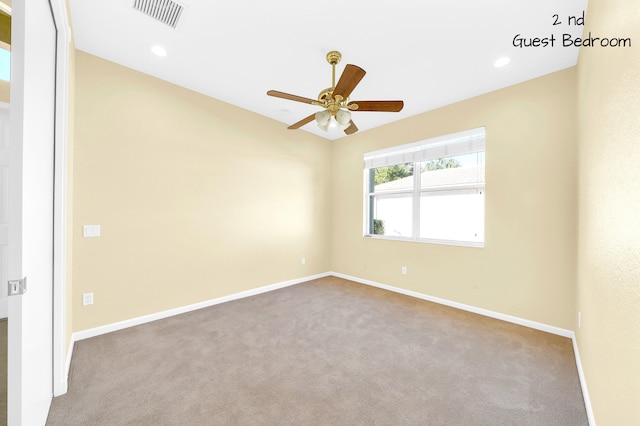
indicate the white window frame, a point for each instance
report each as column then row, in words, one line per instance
column 466, row 142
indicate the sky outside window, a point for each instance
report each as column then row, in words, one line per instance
column 5, row 64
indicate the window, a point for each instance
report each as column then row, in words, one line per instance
column 430, row 191
column 5, row 64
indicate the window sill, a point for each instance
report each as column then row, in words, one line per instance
column 474, row 244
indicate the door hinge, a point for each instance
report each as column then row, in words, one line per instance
column 17, row 287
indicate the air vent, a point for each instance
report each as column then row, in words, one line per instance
column 166, row 11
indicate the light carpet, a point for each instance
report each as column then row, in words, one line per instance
column 325, row 352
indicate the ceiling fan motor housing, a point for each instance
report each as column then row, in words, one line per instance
column 326, row 100
column 325, row 94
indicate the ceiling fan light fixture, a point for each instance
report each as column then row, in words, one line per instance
column 343, row 117
column 335, row 100
column 323, row 118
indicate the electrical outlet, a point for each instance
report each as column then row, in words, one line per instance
column 303, row 261
column 404, row 270
column 91, row 231
column 87, row 299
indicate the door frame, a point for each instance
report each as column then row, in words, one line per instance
column 61, row 237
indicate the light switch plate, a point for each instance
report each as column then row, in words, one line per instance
column 91, row 231
column 87, row 299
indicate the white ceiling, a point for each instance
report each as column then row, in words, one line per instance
column 427, row 53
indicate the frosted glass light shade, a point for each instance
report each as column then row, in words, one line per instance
column 323, row 116
column 343, row 117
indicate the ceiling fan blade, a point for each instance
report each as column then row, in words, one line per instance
column 383, row 106
column 302, row 122
column 351, row 129
column 349, row 79
column 290, row 97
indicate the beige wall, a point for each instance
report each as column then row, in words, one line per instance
column 609, row 247
column 528, row 265
column 197, row 199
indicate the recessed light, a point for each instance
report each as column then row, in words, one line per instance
column 501, row 62
column 159, row 50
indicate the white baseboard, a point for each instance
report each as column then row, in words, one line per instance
column 97, row 331
column 487, row 313
column 583, row 382
column 67, row 367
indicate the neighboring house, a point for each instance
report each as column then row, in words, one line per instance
column 452, row 209
column 440, row 178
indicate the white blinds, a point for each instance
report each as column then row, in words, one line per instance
column 466, row 142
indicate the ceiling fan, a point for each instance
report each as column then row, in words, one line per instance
column 335, row 99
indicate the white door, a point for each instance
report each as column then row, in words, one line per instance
column 4, row 206
column 33, row 56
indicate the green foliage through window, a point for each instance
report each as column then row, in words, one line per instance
column 440, row 163
column 378, row 227
column 391, row 173
column 399, row 171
